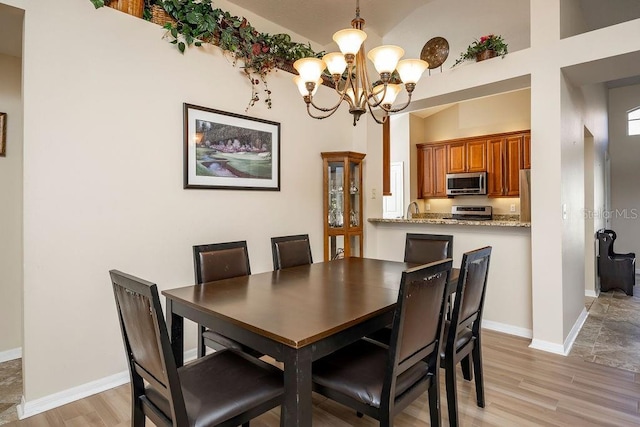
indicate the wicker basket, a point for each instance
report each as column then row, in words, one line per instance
column 160, row 16
column 132, row 7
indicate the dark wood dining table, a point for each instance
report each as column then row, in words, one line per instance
column 295, row 315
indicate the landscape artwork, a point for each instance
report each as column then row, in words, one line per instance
column 3, row 134
column 230, row 151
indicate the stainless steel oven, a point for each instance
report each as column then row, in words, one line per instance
column 459, row 184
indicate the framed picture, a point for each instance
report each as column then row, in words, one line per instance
column 230, row 151
column 3, row 134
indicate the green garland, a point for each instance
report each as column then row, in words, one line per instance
column 197, row 22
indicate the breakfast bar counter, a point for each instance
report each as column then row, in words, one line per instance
column 447, row 221
column 508, row 299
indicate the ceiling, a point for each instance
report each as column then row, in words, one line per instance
column 317, row 21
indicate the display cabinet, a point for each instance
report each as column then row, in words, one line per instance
column 342, row 201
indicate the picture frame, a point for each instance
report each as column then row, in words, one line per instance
column 230, row 151
column 3, row 134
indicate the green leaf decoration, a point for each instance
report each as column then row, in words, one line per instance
column 197, row 22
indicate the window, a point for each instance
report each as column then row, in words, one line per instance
column 634, row 121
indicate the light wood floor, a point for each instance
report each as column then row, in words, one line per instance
column 523, row 387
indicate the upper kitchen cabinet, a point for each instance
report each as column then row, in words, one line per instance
column 500, row 155
column 432, row 170
column 506, row 155
column 467, row 156
column 526, row 153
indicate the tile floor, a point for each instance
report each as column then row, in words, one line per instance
column 10, row 389
column 610, row 336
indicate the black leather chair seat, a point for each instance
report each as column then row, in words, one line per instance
column 358, row 371
column 238, row 383
column 464, row 337
column 227, row 342
column 383, row 336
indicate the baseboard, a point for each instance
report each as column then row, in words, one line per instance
column 14, row 353
column 27, row 409
column 565, row 348
column 573, row 334
column 590, row 293
column 547, row 346
column 507, row 329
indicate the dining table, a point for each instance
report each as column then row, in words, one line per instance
column 295, row 315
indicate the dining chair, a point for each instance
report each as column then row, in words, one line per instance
column 381, row 381
column 463, row 332
column 420, row 249
column 218, row 261
column 291, row 251
column 426, row 248
column 197, row 394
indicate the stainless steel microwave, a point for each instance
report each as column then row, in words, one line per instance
column 459, row 184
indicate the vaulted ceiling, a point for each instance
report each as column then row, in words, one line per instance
column 317, row 21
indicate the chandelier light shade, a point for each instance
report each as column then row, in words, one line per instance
column 349, row 40
column 385, row 58
column 348, row 69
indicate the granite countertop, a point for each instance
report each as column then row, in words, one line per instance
column 498, row 221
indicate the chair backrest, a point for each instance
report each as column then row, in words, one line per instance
column 218, row 261
column 418, row 321
column 470, row 291
column 605, row 242
column 147, row 345
column 426, row 248
column 291, row 251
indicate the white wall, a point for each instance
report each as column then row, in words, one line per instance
column 103, row 179
column 596, row 131
column 11, row 207
column 573, row 239
column 461, row 22
column 625, row 174
column 571, row 18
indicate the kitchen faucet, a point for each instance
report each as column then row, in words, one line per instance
column 416, row 211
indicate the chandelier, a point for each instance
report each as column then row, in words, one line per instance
column 354, row 86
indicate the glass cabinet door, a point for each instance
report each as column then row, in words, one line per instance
column 354, row 194
column 336, row 175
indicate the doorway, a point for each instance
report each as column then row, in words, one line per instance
column 393, row 205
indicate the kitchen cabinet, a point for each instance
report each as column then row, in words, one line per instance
column 500, row 155
column 467, row 156
column 526, row 152
column 342, row 204
column 506, row 156
column 432, row 170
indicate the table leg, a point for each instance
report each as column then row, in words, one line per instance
column 175, row 327
column 297, row 384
